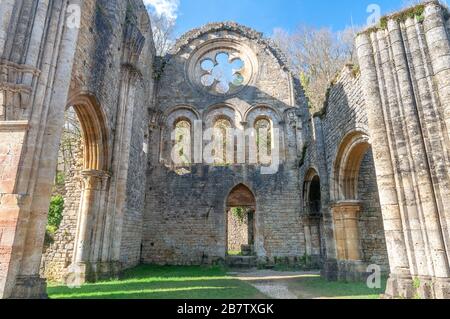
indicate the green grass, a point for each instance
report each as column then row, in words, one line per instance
column 154, row 282
column 234, row 253
column 317, row 287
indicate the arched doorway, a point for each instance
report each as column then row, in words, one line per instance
column 82, row 184
column 346, row 207
column 240, row 221
column 313, row 217
column 358, row 224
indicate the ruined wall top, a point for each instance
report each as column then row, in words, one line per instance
column 245, row 31
column 417, row 11
column 227, row 63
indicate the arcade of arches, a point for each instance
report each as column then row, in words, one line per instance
column 364, row 183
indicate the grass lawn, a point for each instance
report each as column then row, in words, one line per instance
column 154, row 282
column 317, row 287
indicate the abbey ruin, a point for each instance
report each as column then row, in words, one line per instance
column 364, row 182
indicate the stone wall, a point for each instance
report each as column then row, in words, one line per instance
column 343, row 114
column 373, row 242
column 185, row 220
column 405, row 68
column 185, row 214
column 58, row 256
column 104, row 69
column 237, row 232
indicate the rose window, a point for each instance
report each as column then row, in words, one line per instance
column 223, row 73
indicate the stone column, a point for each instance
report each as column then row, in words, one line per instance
column 40, row 156
column 92, row 201
column 308, row 242
column 437, row 38
column 392, row 77
column 312, row 235
column 414, row 130
column 346, row 218
column 6, row 9
column 400, row 279
column 330, row 266
column 13, row 215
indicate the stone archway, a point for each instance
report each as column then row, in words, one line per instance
column 346, row 206
column 241, row 221
column 358, row 225
column 313, row 218
column 73, row 256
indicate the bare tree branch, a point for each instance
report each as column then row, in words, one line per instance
column 316, row 56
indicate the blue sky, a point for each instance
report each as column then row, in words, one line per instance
column 265, row 15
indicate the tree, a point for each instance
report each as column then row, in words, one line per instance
column 316, row 56
column 70, row 144
column 163, row 33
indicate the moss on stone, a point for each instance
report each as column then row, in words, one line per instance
column 416, row 12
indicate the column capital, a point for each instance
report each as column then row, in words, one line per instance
column 346, row 203
column 346, row 209
column 94, row 179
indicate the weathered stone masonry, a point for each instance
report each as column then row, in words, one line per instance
column 104, row 70
column 365, row 181
column 185, row 217
column 344, row 116
column 405, row 78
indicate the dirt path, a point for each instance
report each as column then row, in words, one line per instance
column 275, row 284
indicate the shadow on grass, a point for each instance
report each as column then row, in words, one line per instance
column 154, row 282
column 317, row 287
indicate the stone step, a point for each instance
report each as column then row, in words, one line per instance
column 241, row 261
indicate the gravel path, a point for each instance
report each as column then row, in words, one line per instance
column 274, row 284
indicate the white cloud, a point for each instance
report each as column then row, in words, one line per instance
column 166, row 8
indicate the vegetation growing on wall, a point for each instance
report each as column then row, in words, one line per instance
column 413, row 12
column 55, row 216
column 239, row 213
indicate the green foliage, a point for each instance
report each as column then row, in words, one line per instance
column 55, row 213
column 60, row 179
column 416, row 283
column 416, row 12
column 356, row 70
column 306, row 262
column 239, row 213
column 304, row 153
column 158, row 68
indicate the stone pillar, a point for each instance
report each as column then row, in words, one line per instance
column 392, row 78
column 85, row 265
column 400, row 280
column 418, row 153
column 308, row 242
column 330, row 264
column 312, row 236
column 436, row 34
column 6, row 9
column 346, row 218
column 437, row 37
column 39, row 155
column 12, row 213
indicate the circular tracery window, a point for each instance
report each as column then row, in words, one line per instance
column 222, row 73
column 222, row 67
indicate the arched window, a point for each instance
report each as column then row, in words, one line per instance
column 181, row 154
column 224, row 148
column 263, row 129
